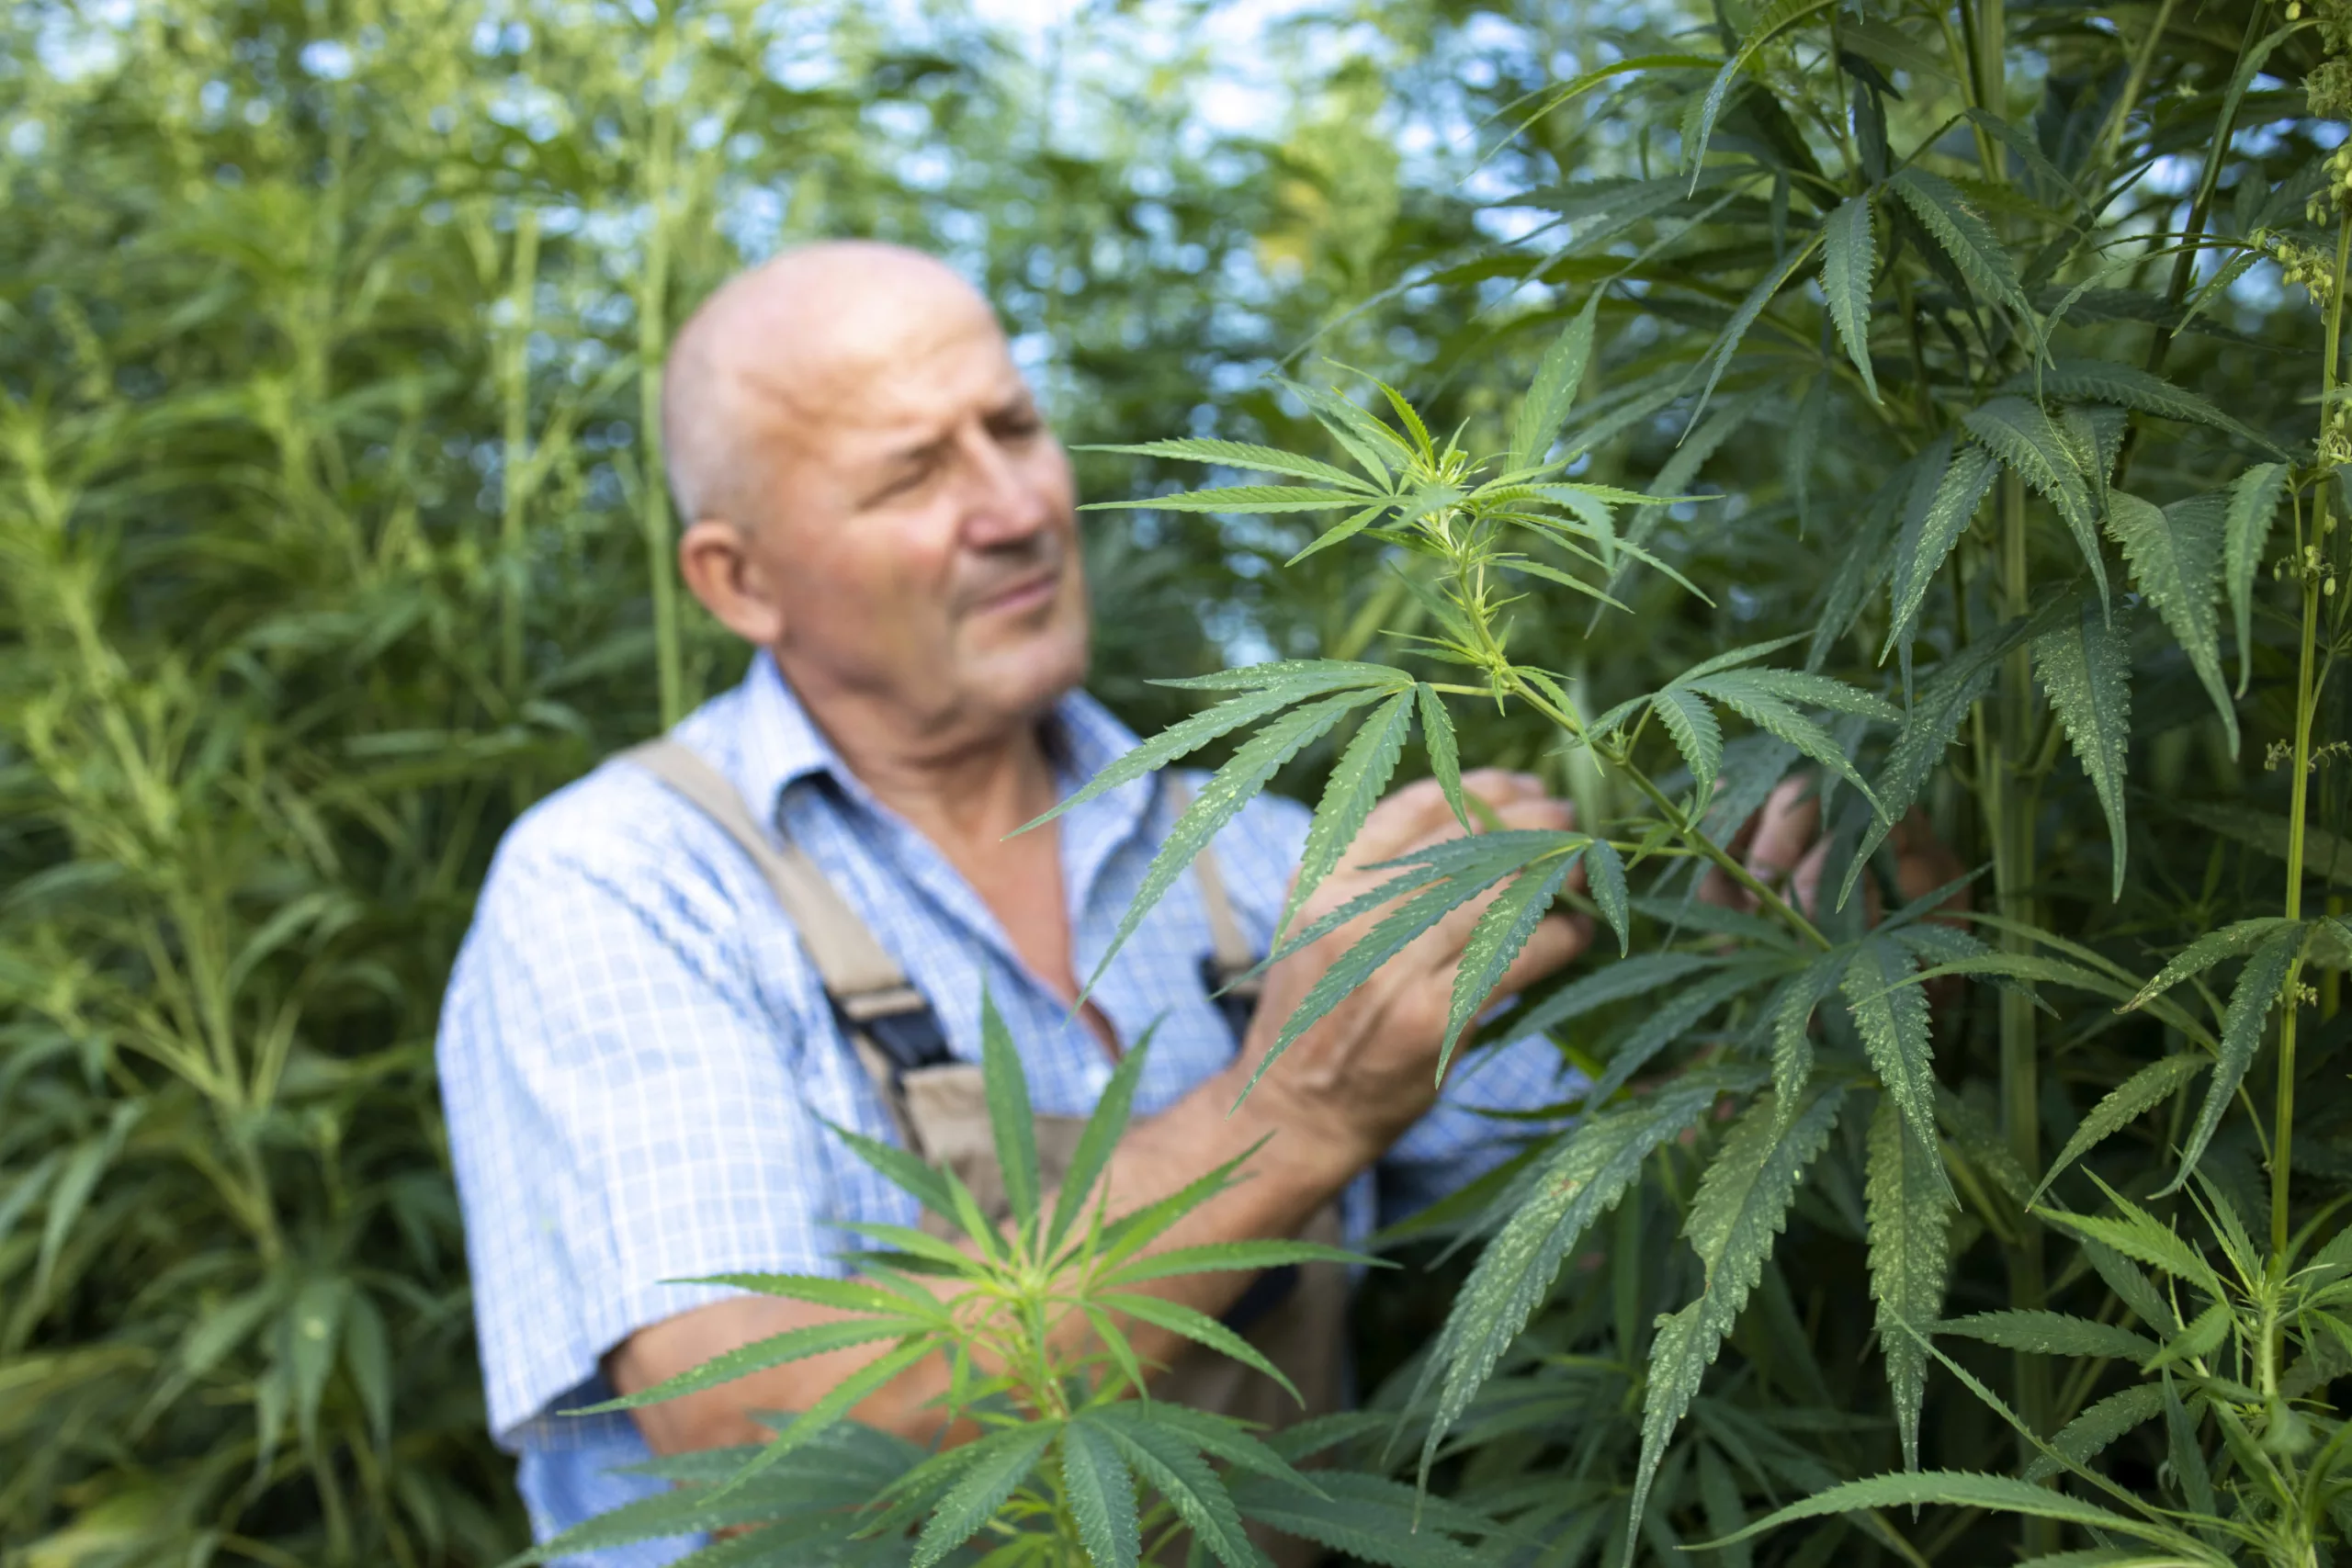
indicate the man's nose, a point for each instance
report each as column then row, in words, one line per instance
column 1005, row 503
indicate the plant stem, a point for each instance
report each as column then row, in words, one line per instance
column 2282, row 1138
column 2008, row 805
column 653, row 330
column 516, row 459
column 1684, row 828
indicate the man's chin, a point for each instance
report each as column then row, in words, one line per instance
column 1028, row 675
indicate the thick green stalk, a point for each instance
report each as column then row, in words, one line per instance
column 2008, row 791
column 2313, row 569
column 516, row 459
column 652, row 332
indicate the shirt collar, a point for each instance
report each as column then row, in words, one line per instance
column 780, row 744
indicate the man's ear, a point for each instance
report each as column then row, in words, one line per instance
column 714, row 558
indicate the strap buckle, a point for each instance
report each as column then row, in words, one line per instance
column 899, row 1021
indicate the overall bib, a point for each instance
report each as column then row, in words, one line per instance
column 1296, row 1317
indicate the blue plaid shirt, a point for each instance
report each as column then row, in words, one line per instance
column 638, row 1059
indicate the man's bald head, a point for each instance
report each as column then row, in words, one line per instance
column 777, row 347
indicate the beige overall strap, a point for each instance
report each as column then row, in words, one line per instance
column 1227, row 946
column 865, row 982
column 864, row 979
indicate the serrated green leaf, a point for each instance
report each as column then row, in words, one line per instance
column 1757, row 704
column 1297, row 680
column 1372, row 443
column 1409, row 417
column 2251, row 1000
column 1003, row 1462
column 2051, row 1334
column 1221, row 799
column 1604, row 872
column 901, row 1170
column 1691, row 724
column 2017, row 431
column 2137, row 1235
column 1744, row 317
column 1848, row 265
column 1919, row 557
column 2088, row 1434
column 2136, row 1095
column 2176, row 556
column 1743, row 1201
column 1581, row 1179
column 1822, row 691
column 1669, row 1023
column 1910, row 1211
column 1011, row 1124
column 835, row 1403
column 1791, row 1009
column 2198, row 1339
column 1965, row 237
column 1340, row 533
column 1310, row 676
column 1445, row 757
column 1105, row 1126
column 1501, row 932
column 1237, row 500
column 2086, row 669
column 1768, row 24
column 1102, row 1495
column 1218, row 1435
column 1935, row 716
column 1200, row 1327
column 1890, row 1014
column 2128, row 386
column 1553, row 390
column 1633, row 977
column 1225, row 1256
column 2245, row 531
column 1355, row 785
column 1369, row 1518
column 1477, row 862
column 1962, row 1489
column 776, row 1350
column 1242, row 455
column 2190, row 1472
column 2239, row 936
column 1175, row 1470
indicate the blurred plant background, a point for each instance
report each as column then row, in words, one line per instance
column 333, row 534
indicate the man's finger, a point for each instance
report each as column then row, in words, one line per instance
column 1784, row 828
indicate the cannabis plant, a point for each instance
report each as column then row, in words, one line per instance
column 1909, row 299
column 1073, row 1463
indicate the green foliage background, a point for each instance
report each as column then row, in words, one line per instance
column 329, row 525
column 326, row 509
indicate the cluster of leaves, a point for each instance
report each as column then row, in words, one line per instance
column 1907, row 309
column 1070, row 1461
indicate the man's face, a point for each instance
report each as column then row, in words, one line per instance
column 916, row 523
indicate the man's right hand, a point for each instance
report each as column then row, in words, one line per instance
column 1367, row 1070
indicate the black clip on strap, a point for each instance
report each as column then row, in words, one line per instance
column 1235, row 994
column 901, row 1024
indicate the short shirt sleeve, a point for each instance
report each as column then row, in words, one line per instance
column 629, row 1104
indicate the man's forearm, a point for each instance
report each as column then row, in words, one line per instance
column 1303, row 1163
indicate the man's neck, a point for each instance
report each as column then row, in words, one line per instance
column 962, row 790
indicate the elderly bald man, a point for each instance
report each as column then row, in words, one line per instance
column 639, row 1048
